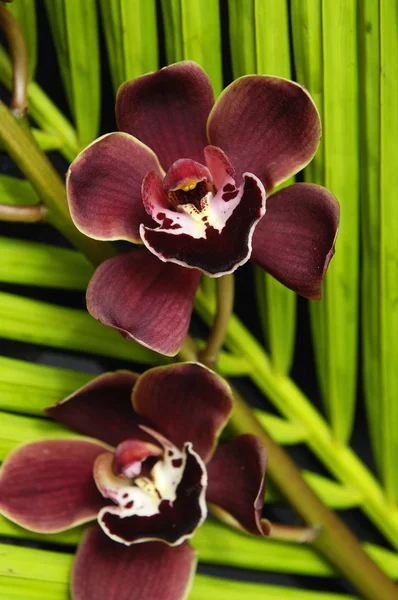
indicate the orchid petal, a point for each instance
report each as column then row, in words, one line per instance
column 266, row 125
column 102, row 409
column 220, row 168
column 174, row 522
column 145, row 299
column 104, row 187
column 218, row 238
column 294, row 242
column 186, row 402
column 236, row 479
column 168, row 110
column 48, row 486
column 105, row 570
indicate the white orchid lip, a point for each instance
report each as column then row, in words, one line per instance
column 156, row 490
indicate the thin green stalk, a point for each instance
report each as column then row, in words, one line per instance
column 19, row 58
column 225, row 302
column 25, row 13
column 22, row 214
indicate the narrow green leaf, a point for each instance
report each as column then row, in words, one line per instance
column 284, row 431
column 32, row 574
column 25, row 13
column 74, row 28
column 335, row 319
column 36, row 322
column 193, row 32
column 373, row 358
column 16, row 191
column 130, row 28
column 265, row 27
column 388, row 289
column 31, row 263
column 17, row 429
column 29, row 387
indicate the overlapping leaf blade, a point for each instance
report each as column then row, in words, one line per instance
column 74, row 27
column 193, row 32
column 335, row 319
column 263, row 26
column 130, row 28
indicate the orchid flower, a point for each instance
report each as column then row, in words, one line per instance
column 145, row 479
column 188, row 179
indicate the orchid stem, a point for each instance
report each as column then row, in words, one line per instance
column 335, row 540
column 23, row 214
column 225, row 301
column 293, row 533
column 17, row 47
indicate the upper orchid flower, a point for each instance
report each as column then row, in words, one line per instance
column 146, row 478
column 189, row 178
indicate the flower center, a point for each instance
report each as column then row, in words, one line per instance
column 190, row 192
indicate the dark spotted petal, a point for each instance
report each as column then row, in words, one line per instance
column 102, row 409
column 48, row 486
column 174, row 523
column 295, row 240
column 236, row 478
column 144, row 299
column 106, row 570
column 216, row 240
column 168, row 110
column 266, row 125
column 104, row 187
column 186, row 402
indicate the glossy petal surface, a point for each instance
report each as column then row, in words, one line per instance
column 106, row 570
column 144, row 299
column 217, row 239
column 186, row 402
column 48, row 486
column 102, row 409
column 266, row 125
column 104, row 187
column 295, row 240
column 168, row 110
column 236, row 478
column 174, row 522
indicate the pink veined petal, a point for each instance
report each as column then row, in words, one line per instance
column 145, row 299
column 236, row 479
column 294, row 242
column 106, row 570
column 266, row 125
column 48, row 486
column 221, row 169
column 186, row 402
column 102, row 409
column 218, row 240
column 104, row 187
column 168, row 110
column 176, row 520
column 183, row 171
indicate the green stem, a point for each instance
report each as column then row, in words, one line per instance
column 335, row 541
column 23, row 149
column 22, row 214
column 225, row 303
column 17, row 46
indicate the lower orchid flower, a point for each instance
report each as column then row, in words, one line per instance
column 145, row 478
column 188, row 178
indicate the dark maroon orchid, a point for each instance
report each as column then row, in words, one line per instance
column 145, row 478
column 188, row 178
